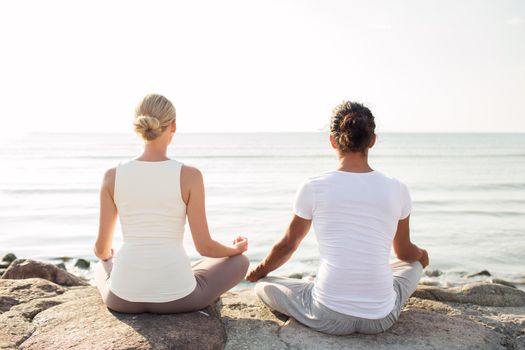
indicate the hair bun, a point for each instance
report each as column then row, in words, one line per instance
column 153, row 116
column 352, row 125
column 148, row 126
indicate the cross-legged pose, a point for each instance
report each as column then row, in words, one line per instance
column 358, row 214
column 152, row 195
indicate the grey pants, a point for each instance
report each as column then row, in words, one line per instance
column 214, row 276
column 293, row 297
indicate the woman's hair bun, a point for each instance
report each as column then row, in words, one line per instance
column 153, row 116
column 352, row 126
column 147, row 126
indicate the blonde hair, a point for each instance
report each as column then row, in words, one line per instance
column 152, row 116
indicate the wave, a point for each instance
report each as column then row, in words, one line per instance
column 286, row 156
column 495, row 213
column 49, row 190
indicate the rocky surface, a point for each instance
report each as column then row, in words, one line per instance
column 423, row 324
column 27, row 268
column 480, row 293
column 36, row 313
column 39, row 314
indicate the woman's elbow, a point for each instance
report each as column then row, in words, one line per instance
column 204, row 250
column 100, row 253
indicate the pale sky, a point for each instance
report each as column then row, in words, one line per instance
column 263, row 65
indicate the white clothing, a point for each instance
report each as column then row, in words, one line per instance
column 151, row 265
column 355, row 217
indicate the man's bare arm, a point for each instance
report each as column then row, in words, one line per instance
column 283, row 249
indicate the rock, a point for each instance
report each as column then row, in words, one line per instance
column 2, row 272
column 503, row 282
column 61, row 266
column 14, row 291
column 481, row 273
column 428, row 283
column 9, row 257
column 66, row 327
column 433, row 273
column 248, row 323
column 38, row 314
column 423, row 324
column 43, row 315
column 4, row 265
column 479, row 293
column 27, row 268
column 415, row 329
column 82, row 263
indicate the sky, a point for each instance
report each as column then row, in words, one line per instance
column 235, row 66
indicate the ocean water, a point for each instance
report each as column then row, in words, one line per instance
column 468, row 193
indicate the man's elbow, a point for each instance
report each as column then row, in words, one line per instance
column 407, row 257
column 287, row 246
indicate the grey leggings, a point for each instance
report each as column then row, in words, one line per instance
column 214, row 276
column 293, row 297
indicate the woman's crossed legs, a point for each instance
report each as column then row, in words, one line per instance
column 214, row 277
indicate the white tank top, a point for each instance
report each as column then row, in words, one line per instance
column 151, row 265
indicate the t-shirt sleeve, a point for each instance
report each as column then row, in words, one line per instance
column 303, row 205
column 406, row 201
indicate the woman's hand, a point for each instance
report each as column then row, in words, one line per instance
column 240, row 244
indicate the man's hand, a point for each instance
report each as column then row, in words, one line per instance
column 424, row 258
column 255, row 274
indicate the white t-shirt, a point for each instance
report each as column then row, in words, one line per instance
column 355, row 217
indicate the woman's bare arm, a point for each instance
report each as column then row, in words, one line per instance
column 107, row 217
column 406, row 250
column 192, row 189
column 283, row 249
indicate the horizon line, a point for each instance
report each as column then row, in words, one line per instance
column 277, row 132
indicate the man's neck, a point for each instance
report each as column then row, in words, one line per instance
column 355, row 162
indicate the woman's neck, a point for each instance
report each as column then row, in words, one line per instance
column 154, row 152
column 355, row 162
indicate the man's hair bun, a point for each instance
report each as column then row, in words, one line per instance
column 352, row 126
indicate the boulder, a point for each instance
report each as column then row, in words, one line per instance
column 27, row 268
column 36, row 313
column 88, row 324
column 480, row 293
column 40, row 314
column 423, row 324
column 61, row 266
column 248, row 323
column 481, row 273
column 500, row 281
column 9, row 257
column 82, row 263
column 415, row 329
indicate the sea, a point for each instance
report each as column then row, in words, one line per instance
column 468, row 193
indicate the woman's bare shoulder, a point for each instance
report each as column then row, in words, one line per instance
column 109, row 177
column 190, row 173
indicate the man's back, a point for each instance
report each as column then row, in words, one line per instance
column 355, row 217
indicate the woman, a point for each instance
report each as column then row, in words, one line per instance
column 358, row 215
column 152, row 195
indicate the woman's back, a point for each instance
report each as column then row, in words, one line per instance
column 151, row 265
column 355, row 217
